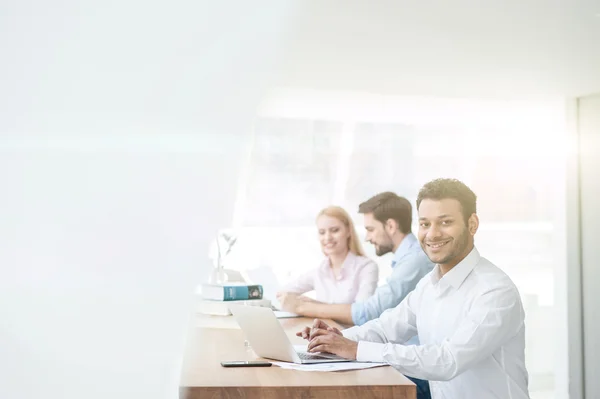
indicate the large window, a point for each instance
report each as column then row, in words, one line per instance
column 309, row 151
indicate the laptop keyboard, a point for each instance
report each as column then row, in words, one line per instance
column 310, row 356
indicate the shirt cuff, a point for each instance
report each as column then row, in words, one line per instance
column 370, row 352
column 350, row 333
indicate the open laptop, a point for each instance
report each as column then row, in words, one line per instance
column 269, row 340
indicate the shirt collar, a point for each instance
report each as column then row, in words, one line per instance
column 405, row 247
column 455, row 277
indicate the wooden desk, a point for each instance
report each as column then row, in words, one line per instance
column 212, row 339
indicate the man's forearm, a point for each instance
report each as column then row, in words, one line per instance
column 341, row 313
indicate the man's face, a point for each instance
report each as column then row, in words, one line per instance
column 378, row 235
column 443, row 233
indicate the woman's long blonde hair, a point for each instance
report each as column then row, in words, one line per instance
column 340, row 214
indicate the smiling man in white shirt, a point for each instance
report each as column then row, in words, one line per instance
column 467, row 312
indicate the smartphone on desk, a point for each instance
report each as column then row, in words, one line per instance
column 246, row 363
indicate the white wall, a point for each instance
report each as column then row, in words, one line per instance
column 589, row 180
column 121, row 129
column 462, row 48
column 100, row 252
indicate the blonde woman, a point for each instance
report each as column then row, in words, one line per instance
column 345, row 275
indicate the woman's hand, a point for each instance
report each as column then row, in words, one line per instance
column 289, row 301
column 304, row 298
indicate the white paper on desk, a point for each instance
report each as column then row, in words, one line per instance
column 281, row 314
column 342, row 366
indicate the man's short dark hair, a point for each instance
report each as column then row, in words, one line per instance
column 440, row 189
column 388, row 205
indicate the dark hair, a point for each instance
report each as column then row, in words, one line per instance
column 388, row 205
column 440, row 189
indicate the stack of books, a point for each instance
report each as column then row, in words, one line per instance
column 216, row 298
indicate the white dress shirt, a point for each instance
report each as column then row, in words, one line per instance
column 470, row 324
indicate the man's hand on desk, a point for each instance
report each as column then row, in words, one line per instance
column 331, row 341
column 308, row 332
column 324, row 338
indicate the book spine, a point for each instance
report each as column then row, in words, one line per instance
column 242, row 292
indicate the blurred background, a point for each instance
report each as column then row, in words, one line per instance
column 312, row 148
column 132, row 132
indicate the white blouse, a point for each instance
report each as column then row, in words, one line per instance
column 357, row 281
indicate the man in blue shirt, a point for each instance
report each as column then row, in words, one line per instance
column 388, row 220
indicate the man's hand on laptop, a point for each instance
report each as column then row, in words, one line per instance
column 308, row 332
column 330, row 341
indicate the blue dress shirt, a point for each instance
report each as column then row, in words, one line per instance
column 410, row 265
